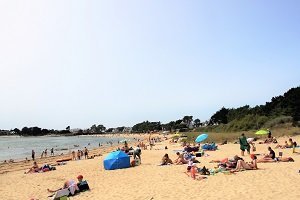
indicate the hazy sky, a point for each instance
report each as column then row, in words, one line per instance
column 122, row 62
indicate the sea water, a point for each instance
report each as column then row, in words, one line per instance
column 17, row 147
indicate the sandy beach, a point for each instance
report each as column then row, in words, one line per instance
column 150, row 181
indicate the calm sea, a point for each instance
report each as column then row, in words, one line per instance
column 15, row 147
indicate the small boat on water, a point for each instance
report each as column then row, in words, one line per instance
column 76, row 145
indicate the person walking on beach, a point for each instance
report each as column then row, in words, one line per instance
column 46, row 153
column 86, row 152
column 32, row 154
column 52, row 151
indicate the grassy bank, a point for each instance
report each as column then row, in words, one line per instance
column 231, row 137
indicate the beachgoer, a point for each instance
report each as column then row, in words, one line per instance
column 82, row 185
column 287, row 144
column 180, row 159
column 244, row 145
column 78, row 154
column 137, row 152
column 269, row 134
column 271, row 157
column 251, row 142
column 34, row 168
column 52, row 152
column 45, row 152
column 166, row 160
column 294, row 147
column 66, row 185
column 86, row 152
column 246, row 165
column 73, row 155
column 32, row 154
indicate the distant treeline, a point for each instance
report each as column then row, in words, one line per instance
column 281, row 110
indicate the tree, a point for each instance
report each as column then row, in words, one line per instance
column 17, row 131
column 220, row 117
column 97, row 129
column 197, row 122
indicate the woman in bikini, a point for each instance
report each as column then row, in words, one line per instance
column 247, row 165
column 34, row 168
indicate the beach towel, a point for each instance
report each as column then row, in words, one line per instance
column 71, row 190
column 209, row 147
column 61, row 194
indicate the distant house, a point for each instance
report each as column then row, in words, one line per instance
column 127, row 130
column 5, row 132
column 75, row 130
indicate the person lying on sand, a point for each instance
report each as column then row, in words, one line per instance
column 228, row 163
column 277, row 159
column 66, row 185
column 180, row 159
column 34, row 168
column 166, row 160
column 271, row 157
column 286, row 144
column 193, row 173
column 246, row 165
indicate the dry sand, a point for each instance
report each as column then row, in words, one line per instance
column 150, row 181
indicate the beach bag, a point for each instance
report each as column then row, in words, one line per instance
column 83, row 186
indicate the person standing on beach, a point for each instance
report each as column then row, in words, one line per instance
column 73, row 155
column 78, row 154
column 32, row 154
column 269, row 134
column 137, row 152
column 86, row 152
column 244, row 145
column 52, row 151
column 45, row 153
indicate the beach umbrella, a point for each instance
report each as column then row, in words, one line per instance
column 262, row 132
column 177, row 135
column 201, row 137
column 116, row 160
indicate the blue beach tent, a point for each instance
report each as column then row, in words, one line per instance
column 116, row 160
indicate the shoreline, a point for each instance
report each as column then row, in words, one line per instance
column 61, row 149
column 21, row 164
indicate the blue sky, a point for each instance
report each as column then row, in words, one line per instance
column 118, row 63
